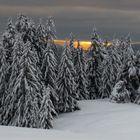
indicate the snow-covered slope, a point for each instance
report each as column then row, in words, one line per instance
column 97, row 120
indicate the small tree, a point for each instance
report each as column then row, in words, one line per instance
column 120, row 94
column 46, row 110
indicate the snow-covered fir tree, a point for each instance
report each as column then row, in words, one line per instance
column 134, row 78
column 111, row 70
column 81, row 79
column 26, row 27
column 8, row 39
column 22, row 104
column 73, row 50
column 51, row 33
column 116, row 61
column 4, row 66
column 16, row 56
column 91, row 78
column 66, row 83
column 94, row 68
column 120, row 94
column 41, row 41
column 46, row 110
column 125, row 50
column 49, row 65
column 128, row 66
column 137, row 64
column 107, row 78
column 50, row 29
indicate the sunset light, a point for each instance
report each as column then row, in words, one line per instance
column 85, row 44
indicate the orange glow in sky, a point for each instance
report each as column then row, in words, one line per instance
column 83, row 43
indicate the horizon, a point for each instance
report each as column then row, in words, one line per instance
column 84, row 44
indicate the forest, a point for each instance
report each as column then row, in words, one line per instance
column 40, row 80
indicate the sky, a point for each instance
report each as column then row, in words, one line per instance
column 112, row 18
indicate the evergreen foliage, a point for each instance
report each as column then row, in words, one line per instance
column 22, row 104
column 66, row 84
column 4, row 66
column 120, row 94
column 81, row 79
column 94, row 68
column 49, row 65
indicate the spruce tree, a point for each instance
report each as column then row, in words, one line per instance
column 51, row 33
column 73, row 50
column 26, row 27
column 107, row 78
column 133, row 80
column 94, row 69
column 3, row 74
column 16, row 56
column 66, row 84
column 49, row 65
column 50, row 29
column 81, row 79
column 91, row 78
column 41, row 41
column 111, row 70
column 8, row 39
column 46, row 110
column 22, row 104
column 120, row 94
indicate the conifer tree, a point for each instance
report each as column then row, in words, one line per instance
column 73, row 50
column 22, row 105
column 51, row 33
column 49, row 65
column 66, row 84
column 16, row 56
column 8, row 40
column 116, row 61
column 91, row 78
column 107, row 78
column 120, row 94
column 46, row 110
column 81, row 79
column 50, row 29
column 26, row 27
column 3, row 74
column 133, row 80
column 94, row 68
column 41, row 41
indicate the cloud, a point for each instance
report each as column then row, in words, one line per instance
column 79, row 16
column 113, row 4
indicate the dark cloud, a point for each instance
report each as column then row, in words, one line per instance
column 113, row 4
column 78, row 16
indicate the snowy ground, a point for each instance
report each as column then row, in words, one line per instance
column 97, row 120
